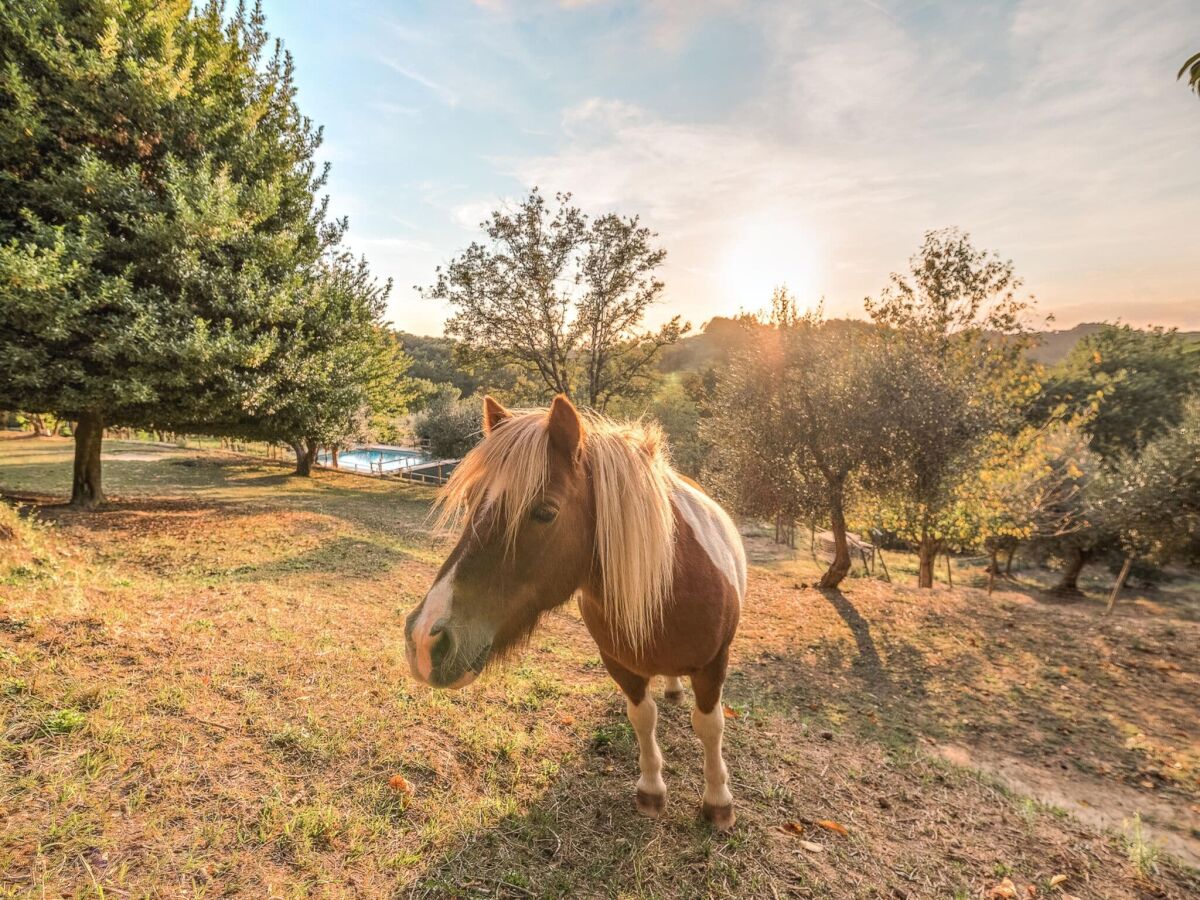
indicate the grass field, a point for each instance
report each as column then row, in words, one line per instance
column 203, row 693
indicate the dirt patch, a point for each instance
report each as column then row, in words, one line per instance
column 1173, row 825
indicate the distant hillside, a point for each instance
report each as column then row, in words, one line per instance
column 719, row 335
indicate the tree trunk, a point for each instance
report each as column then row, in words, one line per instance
column 306, row 455
column 86, row 488
column 1012, row 549
column 927, row 552
column 992, row 570
column 840, row 566
column 1068, row 583
column 949, row 576
column 333, row 456
column 39, row 425
column 1112, row 598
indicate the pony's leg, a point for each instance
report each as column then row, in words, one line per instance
column 708, row 720
column 672, row 689
column 643, row 716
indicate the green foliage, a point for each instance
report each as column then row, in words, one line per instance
column 1191, row 71
column 560, row 297
column 1151, row 500
column 164, row 259
column 800, row 419
column 1030, row 486
column 336, row 375
column 956, row 374
column 450, row 425
column 1132, row 383
column 156, row 205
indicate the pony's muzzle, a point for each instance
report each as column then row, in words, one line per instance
column 437, row 656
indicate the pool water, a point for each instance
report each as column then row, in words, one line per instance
column 378, row 461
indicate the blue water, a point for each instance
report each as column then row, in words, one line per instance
column 376, row 461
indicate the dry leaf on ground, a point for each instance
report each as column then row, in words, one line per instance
column 830, row 825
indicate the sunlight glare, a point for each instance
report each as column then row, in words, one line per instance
column 765, row 252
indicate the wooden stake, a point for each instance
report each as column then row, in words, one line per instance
column 1112, row 598
column 949, row 577
column 883, row 563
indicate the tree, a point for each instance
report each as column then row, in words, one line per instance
column 1130, row 386
column 157, row 210
column 1151, row 500
column 1132, row 383
column 1030, row 487
column 336, row 374
column 1191, row 69
column 807, row 392
column 449, row 424
column 956, row 373
column 560, row 297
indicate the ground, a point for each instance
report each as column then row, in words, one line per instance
column 203, row 692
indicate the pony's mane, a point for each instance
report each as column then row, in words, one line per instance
column 632, row 480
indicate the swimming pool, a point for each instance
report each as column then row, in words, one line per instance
column 377, row 460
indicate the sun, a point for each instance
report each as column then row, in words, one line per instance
column 766, row 251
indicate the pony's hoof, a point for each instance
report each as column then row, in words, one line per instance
column 721, row 817
column 650, row 805
column 673, row 697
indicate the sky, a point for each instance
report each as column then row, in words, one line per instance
column 802, row 143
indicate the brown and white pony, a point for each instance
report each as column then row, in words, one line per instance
column 556, row 504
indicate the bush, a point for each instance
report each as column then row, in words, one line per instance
column 449, row 424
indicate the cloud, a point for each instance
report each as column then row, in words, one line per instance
column 1061, row 141
column 444, row 93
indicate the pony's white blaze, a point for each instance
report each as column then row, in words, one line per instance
column 435, row 608
column 715, row 532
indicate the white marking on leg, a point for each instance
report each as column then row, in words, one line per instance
column 643, row 717
column 715, row 532
column 434, row 608
column 709, row 728
column 672, row 684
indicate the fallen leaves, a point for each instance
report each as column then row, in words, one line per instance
column 1005, row 890
column 836, row 827
column 795, row 829
column 1057, row 880
column 731, row 713
column 401, row 785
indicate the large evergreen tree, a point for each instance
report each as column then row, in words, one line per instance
column 159, row 219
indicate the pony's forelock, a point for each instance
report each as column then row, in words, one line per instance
column 631, row 479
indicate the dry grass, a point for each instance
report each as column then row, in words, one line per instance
column 203, row 693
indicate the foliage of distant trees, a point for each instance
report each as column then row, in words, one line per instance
column 936, row 426
column 562, row 298
column 164, row 254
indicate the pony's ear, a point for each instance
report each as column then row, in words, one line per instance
column 565, row 426
column 493, row 414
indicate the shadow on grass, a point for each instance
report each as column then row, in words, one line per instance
column 343, row 557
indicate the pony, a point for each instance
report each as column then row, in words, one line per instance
column 556, row 504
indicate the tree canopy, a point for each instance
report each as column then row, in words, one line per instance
column 562, row 297
column 159, row 217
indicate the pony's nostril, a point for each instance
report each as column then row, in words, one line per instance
column 443, row 645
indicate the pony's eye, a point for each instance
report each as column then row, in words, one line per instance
column 543, row 514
